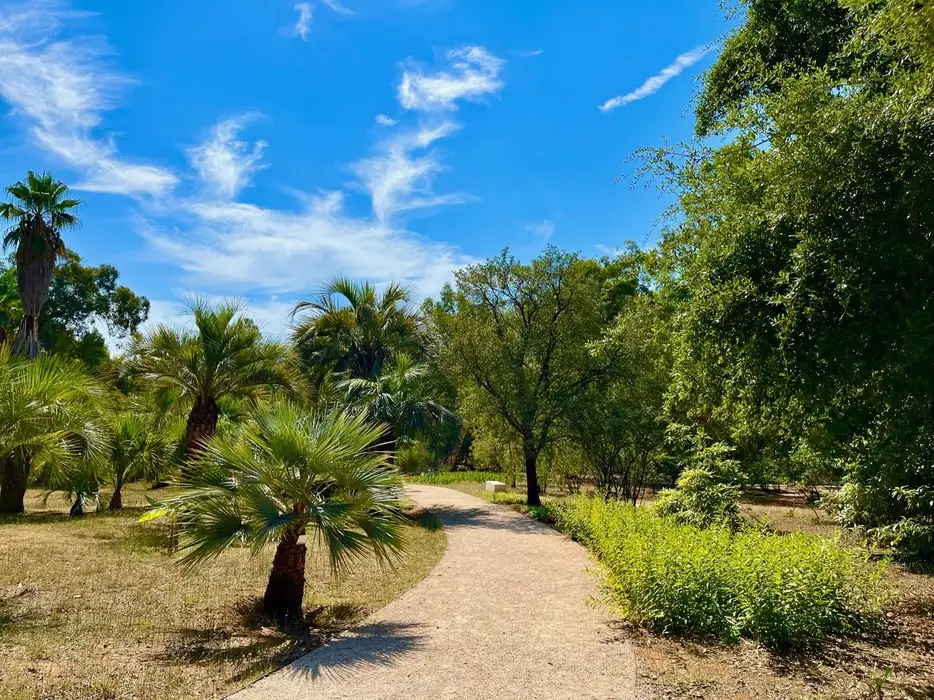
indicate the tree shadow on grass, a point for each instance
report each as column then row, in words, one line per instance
column 52, row 517
column 260, row 644
column 15, row 613
column 425, row 519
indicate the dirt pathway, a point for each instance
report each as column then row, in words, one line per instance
column 505, row 614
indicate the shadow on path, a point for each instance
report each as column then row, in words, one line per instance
column 483, row 518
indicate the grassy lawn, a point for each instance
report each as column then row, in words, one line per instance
column 94, row 609
column 676, row 668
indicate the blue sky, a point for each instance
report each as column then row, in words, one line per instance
column 253, row 148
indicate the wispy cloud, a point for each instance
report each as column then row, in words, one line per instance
column 473, row 75
column 337, row 7
column 224, row 163
column 60, row 88
column 655, row 83
column 303, row 25
column 543, row 229
column 234, row 247
column 383, row 120
column 400, row 176
column 528, row 53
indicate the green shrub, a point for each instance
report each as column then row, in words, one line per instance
column 700, row 499
column 784, row 590
column 442, row 478
column 417, row 457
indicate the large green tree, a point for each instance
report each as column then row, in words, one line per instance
column 39, row 212
column 223, row 356
column 515, row 337
column 805, row 250
column 83, row 300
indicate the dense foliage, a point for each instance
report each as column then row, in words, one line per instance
column 804, row 256
column 784, row 590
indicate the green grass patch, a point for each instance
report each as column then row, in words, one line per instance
column 787, row 591
column 445, row 478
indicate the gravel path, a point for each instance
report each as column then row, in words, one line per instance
column 506, row 614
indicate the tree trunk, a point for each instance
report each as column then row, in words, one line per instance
column 531, row 476
column 12, row 486
column 35, row 265
column 116, row 499
column 77, row 508
column 26, row 342
column 286, row 587
column 202, row 424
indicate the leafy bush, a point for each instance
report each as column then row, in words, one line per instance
column 700, row 499
column 784, row 590
column 442, row 478
column 417, row 458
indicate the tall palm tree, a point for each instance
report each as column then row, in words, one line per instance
column 286, row 474
column 350, row 327
column 50, row 415
column 403, row 398
column 39, row 212
column 225, row 356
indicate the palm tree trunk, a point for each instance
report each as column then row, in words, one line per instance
column 286, row 587
column 12, row 486
column 202, row 424
column 116, row 498
column 26, row 342
column 35, row 266
column 77, row 508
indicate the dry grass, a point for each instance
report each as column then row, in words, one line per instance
column 672, row 668
column 93, row 609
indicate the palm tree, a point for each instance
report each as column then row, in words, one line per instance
column 352, row 328
column 137, row 449
column 39, row 211
column 226, row 357
column 403, row 398
column 286, row 474
column 49, row 417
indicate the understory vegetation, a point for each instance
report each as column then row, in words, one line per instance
column 785, row 590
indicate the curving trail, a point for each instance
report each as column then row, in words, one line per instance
column 506, row 614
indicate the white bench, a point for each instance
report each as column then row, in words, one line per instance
column 495, row 486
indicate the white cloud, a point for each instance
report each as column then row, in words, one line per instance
column 244, row 248
column 473, row 75
column 303, row 25
column 337, row 7
column 543, row 229
column 528, row 53
column 61, row 88
column 226, row 164
column 398, row 180
column 383, row 120
column 655, row 83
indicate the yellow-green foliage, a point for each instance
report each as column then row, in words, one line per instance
column 784, row 590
